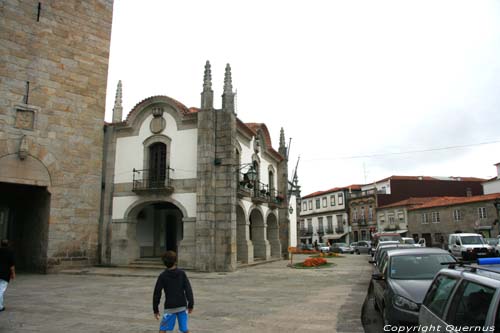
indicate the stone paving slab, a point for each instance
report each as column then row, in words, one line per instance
column 265, row 298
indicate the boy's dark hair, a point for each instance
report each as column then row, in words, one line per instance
column 169, row 258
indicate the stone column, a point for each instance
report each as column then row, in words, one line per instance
column 124, row 246
column 187, row 246
column 243, row 243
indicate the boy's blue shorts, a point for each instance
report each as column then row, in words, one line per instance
column 168, row 321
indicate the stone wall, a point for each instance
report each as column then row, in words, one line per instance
column 53, row 72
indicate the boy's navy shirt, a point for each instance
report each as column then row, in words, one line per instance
column 6, row 262
column 178, row 292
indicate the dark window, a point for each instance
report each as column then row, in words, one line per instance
column 439, row 293
column 157, row 164
column 470, row 305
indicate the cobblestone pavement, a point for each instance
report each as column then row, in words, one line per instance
column 265, row 298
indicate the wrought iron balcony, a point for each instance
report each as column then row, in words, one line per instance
column 329, row 231
column 151, row 180
column 339, row 230
column 305, row 232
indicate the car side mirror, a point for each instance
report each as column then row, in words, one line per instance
column 377, row 276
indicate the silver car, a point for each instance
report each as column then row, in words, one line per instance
column 401, row 280
column 464, row 298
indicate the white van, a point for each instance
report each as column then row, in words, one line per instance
column 469, row 246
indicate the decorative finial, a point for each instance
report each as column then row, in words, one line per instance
column 207, row 78
column 282, row 138
column 228, row 85
column 207, row 95
column 228, row 95
column 118, row 108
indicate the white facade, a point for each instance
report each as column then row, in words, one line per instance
column 323, row 218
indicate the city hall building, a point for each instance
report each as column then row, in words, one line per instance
column 197, row 181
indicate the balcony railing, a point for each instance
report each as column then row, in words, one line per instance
column 151, row 180
column 339, row 230
column 305, row 232
column 260, row 192
column 329, row 231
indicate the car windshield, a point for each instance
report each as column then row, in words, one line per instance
column 417, row 266
column 409, row 241
column 469, row 240
column 389, row 238
column 341, row 244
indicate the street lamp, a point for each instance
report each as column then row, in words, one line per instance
column 250, row 176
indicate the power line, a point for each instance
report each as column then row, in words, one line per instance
column 403, row 152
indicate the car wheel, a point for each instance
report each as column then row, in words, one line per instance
column 357, row 252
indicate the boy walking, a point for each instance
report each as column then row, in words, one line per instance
column 178, row 295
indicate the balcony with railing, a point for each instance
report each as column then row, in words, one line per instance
column 305, row 232
column 152, row 180
column 339, row 230
column 259, row 192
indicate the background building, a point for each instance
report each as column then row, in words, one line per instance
column 437, row 218
column 54, row 62
column 324, row 216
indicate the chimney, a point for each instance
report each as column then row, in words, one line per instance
column 468, row 191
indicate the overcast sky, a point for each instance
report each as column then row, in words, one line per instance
column 365, row 89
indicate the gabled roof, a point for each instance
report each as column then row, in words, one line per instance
column 354, row 187
column 452, row 201
column 253, row 128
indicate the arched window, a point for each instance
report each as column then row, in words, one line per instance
column 157, row 165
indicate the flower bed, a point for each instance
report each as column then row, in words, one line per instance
column 313, row 263
column 327, row 255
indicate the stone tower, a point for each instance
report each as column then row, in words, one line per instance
column 284, row 221
column 216, row 189
column 53, row 84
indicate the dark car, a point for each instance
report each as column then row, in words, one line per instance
column 401, row 281
column 464, row 296
column 383, row 248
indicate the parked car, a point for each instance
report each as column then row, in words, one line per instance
column 464, row 297
column 323, row 247
column 361, row 247
column 469, row 246
column 401, row 281
column 409, row 241
column 308, row 247
column 383, row 248
column 384, row 237
column 341, row 248
column 381, row 244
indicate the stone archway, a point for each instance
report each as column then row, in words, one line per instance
column 244, row 247
column 258, row 235
column 159, row 228
column 273, row 235
column 150, row 227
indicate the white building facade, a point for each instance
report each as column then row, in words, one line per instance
column 196, row 181
column 324, row 217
